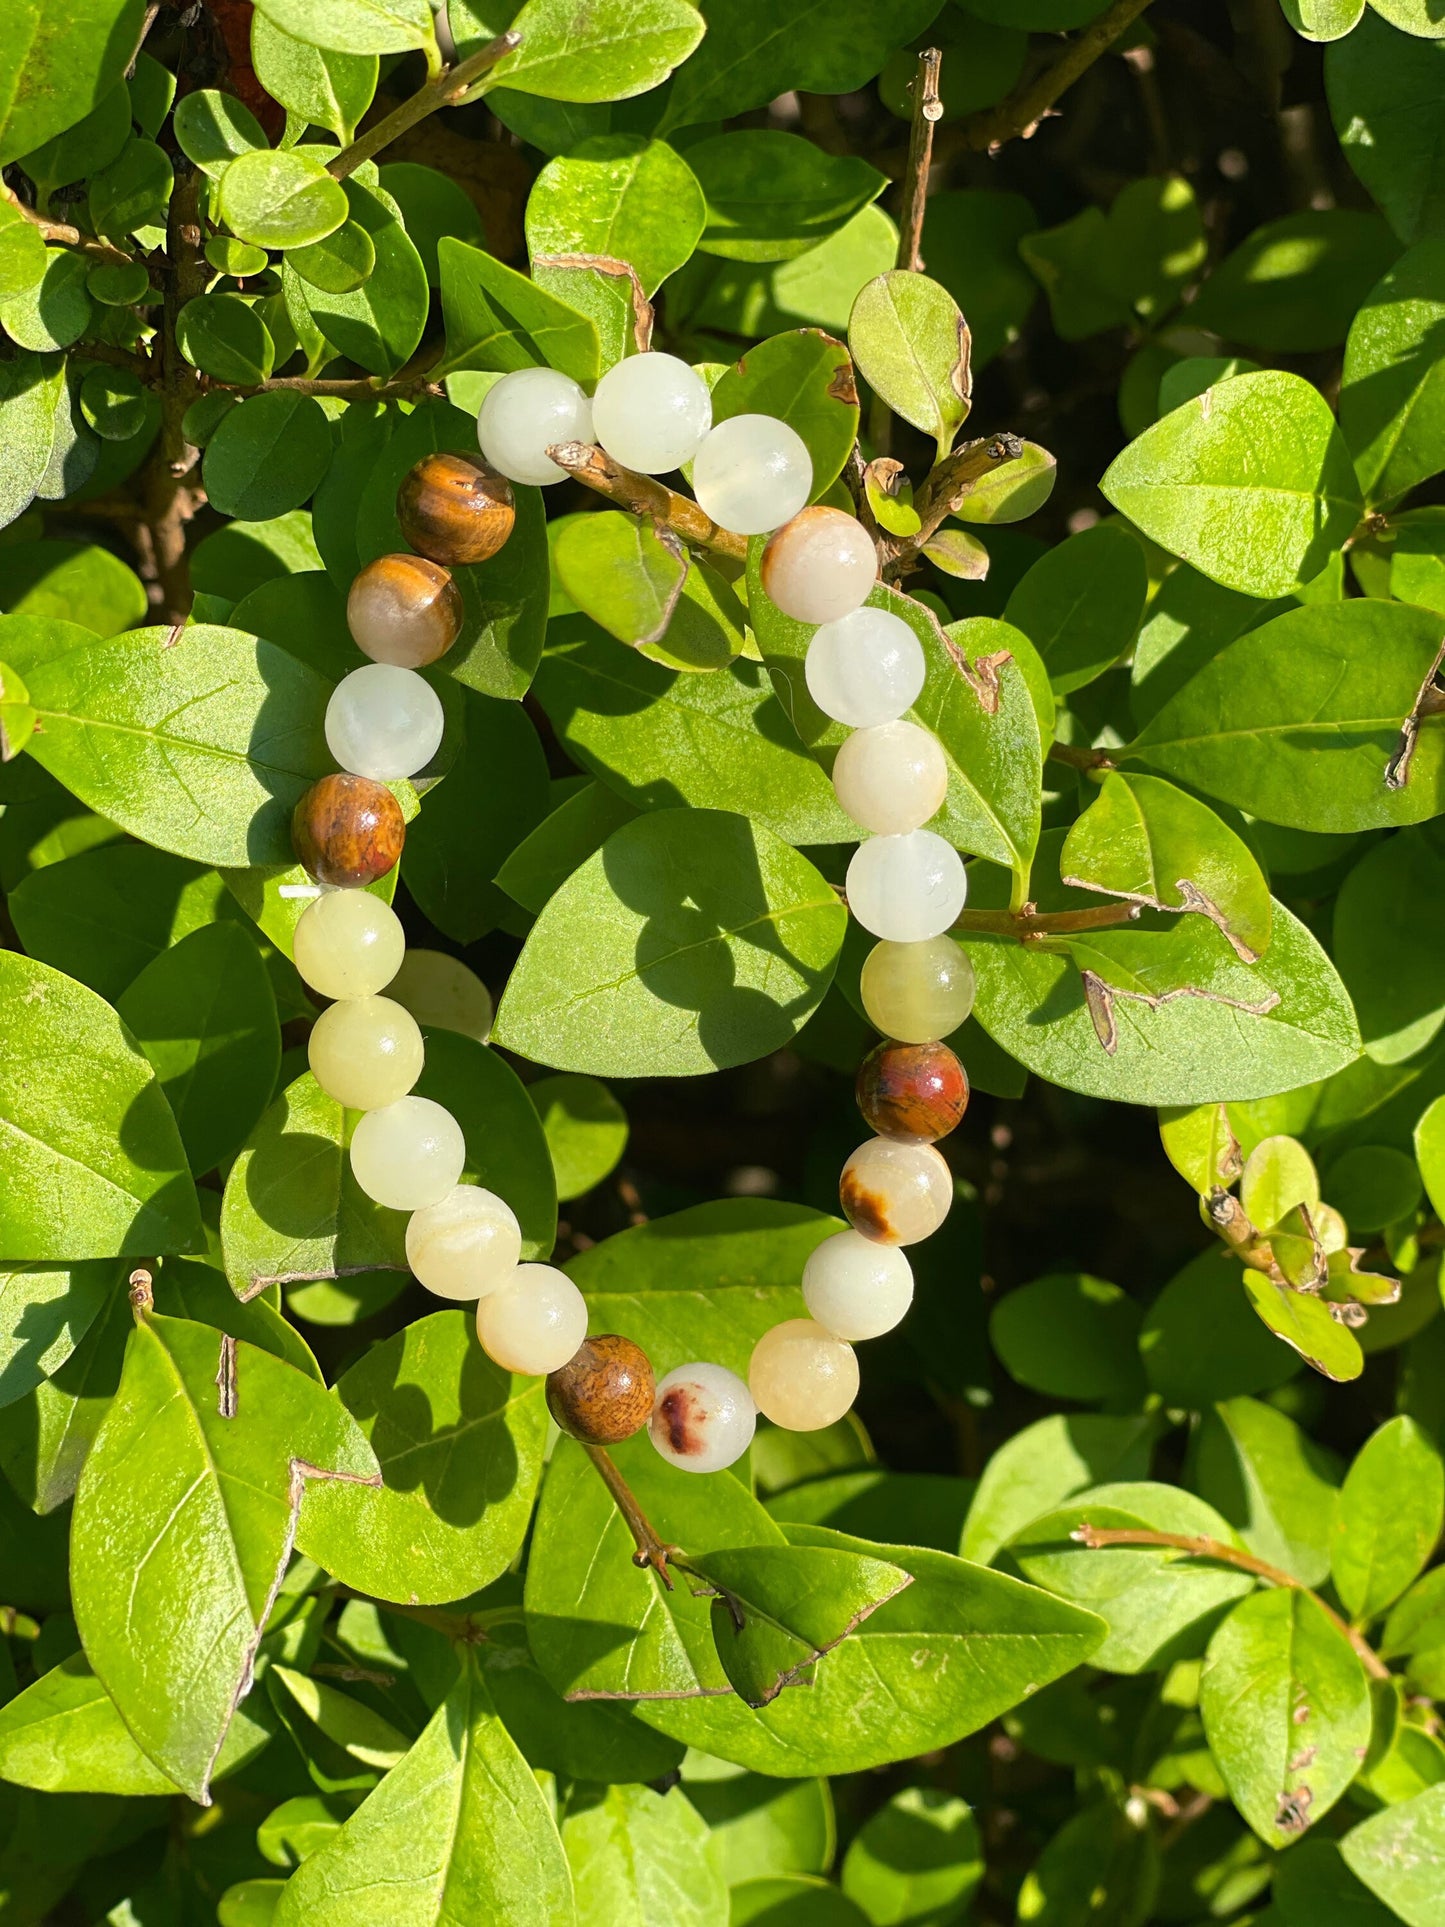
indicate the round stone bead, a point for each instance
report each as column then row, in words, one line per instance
column 526, row 413
column 703, row 1418
column 801, row 1376
column 441, row 990
column 865, row 668
column 856, row 1289
column 917, row 992
column 455, row 508
column 604, row 1393
column 906, row 888
column 892, row 778
column 912, row 1091
column 752, row 474
column 465, row 1245
column 535, row 1323
column 404, row 610
column 895, row 1194
column 819, row 566
column 348, row 831
column 384, row 722
column 366, row 1053
column 651, row 412
column 409, row 1155
column 348, row 943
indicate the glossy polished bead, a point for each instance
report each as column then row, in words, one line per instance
column 917, row 992
column 819, row 566
column 604, row 1393
column 906, row 888
column 348, row 831
column 384, row 722
column 802, row 1377
column 892, row 778
column 865, row 668
column 535, row 1323
column 703, row 1418
column 455, row 509
column 348, row 943
column 752, row 474
column 465, row 1245
column 914, row 1092
column 441, row 990
column 650, row 412
column 855, row 1288
column 404, row 610
column 366, row 1052
column 526, row 413
column 409, row 1155
column 895, row 1194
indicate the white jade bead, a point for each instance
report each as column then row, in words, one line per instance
column 895, row 1193
column 703, row 1418
column 856, row 1288
column 409, row 1155
column 906, row 888
column 917, row 992
column 438, row 989
column 891, row 778
column 526, row 413
column 535, row 1323
column 802, row 1377
column 651, row 412
column 464, row 1246
column 865, row 668
column 752, row 474
column 820, row 566
column 384, row 722
column 366, row 1052
column 348, row 943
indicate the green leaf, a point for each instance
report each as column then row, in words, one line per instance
column 1156, row 845
column 1250, row 482
column 804, row 378
column 771, row 196
column 1014, row 490
column 1279, row 1175
column 1295, row 283
column 638, row 1857
column 85, row 148
column 1387, row 933
column 1069, row 1336
column 1081, row 603
column 1308, row 1325
column 185, row 1517
column 346, row 1743
column 1286, row 1709
column 378, row 323
column 617, row 197
column 280, row 198
column 1390, row 1514
column 17, row 718
column 792, row 1900
column 1104, row 1861
column 1302, row 721
column 77, row 582
column 44, row 1438
column 681, row 911
column 58, row 63
column 1392, row 397
column 586, row 1130
column 320, row 85
column 761, row 1826
column 1429, row 1144
column 563, row 840
column 911, row 344
column 45, row 1312
column 267, row 456
column 355, row 26
column 1323, row 19
column 1373, row 1186
column 29, row 392
column 1312, row 1884
column 917, row 1859
column 606, row 50
column 973, row 238
column 133, row 191
column 1274, row 1486
column 1070, row 263
column 224, row 336
column 817, row 289
column 459, row 1830
column 1046, row 1463
column 114, row 404
column 1399, row 1854
column 212, row 128
column 22, row 248
column 497, row 318
column 625, row 574
column 50, row 315
column 923, row 1508
column 1385, row 94
column 1416, row 17
column 432, row 204
column 340, row 264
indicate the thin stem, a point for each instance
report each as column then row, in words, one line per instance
column 1020, row 112
column 364, row 388
column 1201, row 1547
column 443, row 90
column 949, row 485
column 1078, row 758
column 641, row 495
column 62, row 234
column 1028, row 923
column 1231, row 1222
column 927, row 112
column 651, row 1551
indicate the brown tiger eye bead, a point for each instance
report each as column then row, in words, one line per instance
column 404, row 610
column 912, row 1091
column 348, row 830
column 455, row 508
column 603, row 1394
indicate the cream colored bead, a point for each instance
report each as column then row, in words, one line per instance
column 820, row 566
column 917, row 992
column 802, row 1377
column 895, row 1193
column 535, row 1323
column 907, row 888
column 855, row 1288
column 366, row 1052
column 409, row 1155
column 441, row 990
column 466, row 1246
column 703, row 1418
column 892, row 778
column 348, row 943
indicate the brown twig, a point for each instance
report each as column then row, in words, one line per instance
column 169, row 504
column 1019, row 112
column 641, row 495
column 651, row 1551
column 950, row 484
column 1230, row 1222
column 407, row 385
column 1200, row 1547
column 927, row 112
column 62, row 234
column 1078, row 758
column 1028, row 924
column 445, row 90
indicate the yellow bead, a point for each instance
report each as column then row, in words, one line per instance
column 465, row 1246
column 917, row 992
column 802, row 1377
column 366, row 1053
column 348, row 944
column 535, row 1323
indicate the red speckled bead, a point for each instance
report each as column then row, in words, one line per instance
column 912, row 1091
column 604, row 1393
column 348, row 831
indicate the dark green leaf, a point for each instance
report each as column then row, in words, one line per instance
column 1070, row 1336
column 1295, row 283
column 972, row 241
column 1104, row 1861
column 1080, row 604
column 267, row 456
column 1392, row 398
column 1274, row 1486
column 1386, row 93
column 917, row 1859
column 771, row 195
column 1201, row 1341
column 579, row 825
column 379, row 323
column 1388, row 928
column 586, row 1130
column 497, row 318
column 1391, row 1510
column 432, row 204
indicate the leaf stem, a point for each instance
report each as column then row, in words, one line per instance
column 407, row 384
column 1018, row 114
column 641, row 495
column 651, row 1551
column 1027, row 923
column 927, row 112
column 1078, row 758
column 62, row 234
column 444, row 89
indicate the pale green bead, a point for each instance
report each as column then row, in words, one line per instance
column 409, row 1155
column 366, row 1052
column 348, row 944
column 917, row 992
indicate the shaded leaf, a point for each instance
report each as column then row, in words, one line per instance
column 1391, row 1510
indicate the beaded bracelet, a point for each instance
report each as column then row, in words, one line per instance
column 864, row 667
